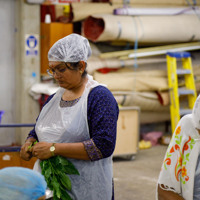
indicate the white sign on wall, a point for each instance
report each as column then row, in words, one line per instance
column 31, row 45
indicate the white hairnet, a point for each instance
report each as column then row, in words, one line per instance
column 196, row 113
column 72, row 48
column 21, row 183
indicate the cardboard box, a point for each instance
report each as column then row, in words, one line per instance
column 10, row 157
column 127, row 132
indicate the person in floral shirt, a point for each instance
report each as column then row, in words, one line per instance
column 179, row 177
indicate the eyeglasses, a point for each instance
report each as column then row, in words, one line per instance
column 60, row 68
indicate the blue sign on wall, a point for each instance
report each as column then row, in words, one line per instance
column 31, row 43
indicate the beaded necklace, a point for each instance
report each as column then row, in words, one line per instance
column 68, row 103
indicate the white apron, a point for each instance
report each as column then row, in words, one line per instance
column 69, row 125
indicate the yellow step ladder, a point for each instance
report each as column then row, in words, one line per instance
column 179, row 90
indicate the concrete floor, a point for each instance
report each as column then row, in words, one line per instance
column 136, row 179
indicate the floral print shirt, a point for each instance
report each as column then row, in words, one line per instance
column 179, row 165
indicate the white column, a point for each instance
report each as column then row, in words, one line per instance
column 27, row 67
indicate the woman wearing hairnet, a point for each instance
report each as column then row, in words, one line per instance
column 179, row 178
column 21, row 183
column 78, row 122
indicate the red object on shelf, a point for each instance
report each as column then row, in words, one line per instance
column 48, row 9
column 93, row 27
column 107, row 70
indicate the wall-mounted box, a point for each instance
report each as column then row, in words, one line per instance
column 49, row 34
column 127, row 132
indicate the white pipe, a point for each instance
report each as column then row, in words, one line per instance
column 160, row 52
column 156, row 11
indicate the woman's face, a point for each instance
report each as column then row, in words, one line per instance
column 65, row 77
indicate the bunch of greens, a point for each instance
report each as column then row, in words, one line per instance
column 55, row 170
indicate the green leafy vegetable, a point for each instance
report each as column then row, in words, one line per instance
column 29, row 147
column 55, row 170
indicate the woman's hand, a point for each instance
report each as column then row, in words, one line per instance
column 25, row 152
column 41, row 150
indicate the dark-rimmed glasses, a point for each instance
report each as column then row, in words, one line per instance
column 58, row 69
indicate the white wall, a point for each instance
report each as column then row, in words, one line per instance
column 17, row 19
column 7, row 69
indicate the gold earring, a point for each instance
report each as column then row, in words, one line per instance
column 81, row 72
